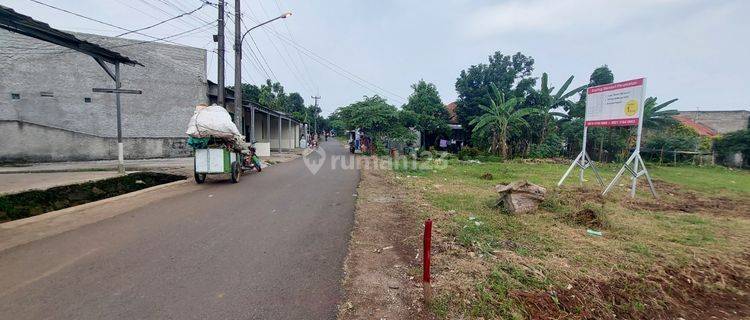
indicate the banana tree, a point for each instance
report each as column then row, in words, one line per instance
column 549, row 101
column 498, row 117
column 654, row 117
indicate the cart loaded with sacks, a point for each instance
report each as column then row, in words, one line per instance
column 219, row 146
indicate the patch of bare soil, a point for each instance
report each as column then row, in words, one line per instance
column 588, row 217
column 711, row 290
column 674, row 198
column 380, row 281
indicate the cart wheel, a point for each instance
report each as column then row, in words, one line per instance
column 236, row 172
column 200, row 177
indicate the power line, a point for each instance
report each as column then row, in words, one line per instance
column 176, row 35
column 95, row 20
column 259, row 66
column 167, row 37
column 163, row 22
column 261, row 55
column 336, row 68
column 302, row 61
column 296, row 72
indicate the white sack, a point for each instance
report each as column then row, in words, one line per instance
column 213, row 121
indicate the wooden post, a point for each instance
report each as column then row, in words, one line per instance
column 426, row 261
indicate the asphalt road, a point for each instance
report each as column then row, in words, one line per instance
column 270, row 247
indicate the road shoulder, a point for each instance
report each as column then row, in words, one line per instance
column 382, row 266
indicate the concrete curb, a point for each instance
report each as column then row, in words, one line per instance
column 53, row 214
column 129, row 168
column 58, row 170
column 307, row 152
column 62, row 184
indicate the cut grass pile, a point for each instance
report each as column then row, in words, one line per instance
column 656, row 257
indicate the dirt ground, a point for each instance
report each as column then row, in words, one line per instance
column 674, row 198
column 382, row 268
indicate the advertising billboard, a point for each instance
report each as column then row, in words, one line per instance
column 615, row 104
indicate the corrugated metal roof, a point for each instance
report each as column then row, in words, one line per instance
column 23, row 24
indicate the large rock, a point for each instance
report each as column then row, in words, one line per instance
column 520, row 196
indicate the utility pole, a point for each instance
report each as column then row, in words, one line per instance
column 238, row 109
column 315, row 113
column 220, row 49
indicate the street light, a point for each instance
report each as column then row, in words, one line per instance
column 283, row 16
column 238, row 107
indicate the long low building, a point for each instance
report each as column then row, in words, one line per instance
column 48, row 111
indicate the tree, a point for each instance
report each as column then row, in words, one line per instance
column 250, row 93
column 371, row 114
column 498, row 117
column 655, row 117
column 295, row 103
column 376, row 117
column 427, row 110
column 547, row 101
column 473, row 84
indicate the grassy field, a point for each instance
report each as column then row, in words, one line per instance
column 664, row 257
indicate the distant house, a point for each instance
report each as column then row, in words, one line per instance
column 719, row 121
column 701, row 129
column 459, row 136
column 714, row 123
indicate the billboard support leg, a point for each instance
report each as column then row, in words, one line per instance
column 575, row 162
column 648, row 177
column 583, row 161
column 632, row 166
column 593, row 168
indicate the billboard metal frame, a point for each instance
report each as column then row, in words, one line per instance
column 634, row 166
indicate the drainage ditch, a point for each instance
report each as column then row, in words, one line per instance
column 35, row 202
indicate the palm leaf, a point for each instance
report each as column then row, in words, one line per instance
column 573, row 92
column 562, row 89
column 663, row 105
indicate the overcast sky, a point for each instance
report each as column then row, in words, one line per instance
column 696, row 51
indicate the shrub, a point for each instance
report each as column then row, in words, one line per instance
column 468, row 153
column 675, row 138
column 734, row 142
column 552, row 147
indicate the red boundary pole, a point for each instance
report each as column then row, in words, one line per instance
column 426, row 252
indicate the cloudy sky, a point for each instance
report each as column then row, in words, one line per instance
column 696, row 51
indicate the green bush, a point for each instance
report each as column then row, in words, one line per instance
column 734, row 142
column 552, row 147
column 468, row 153
column 675, row 138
